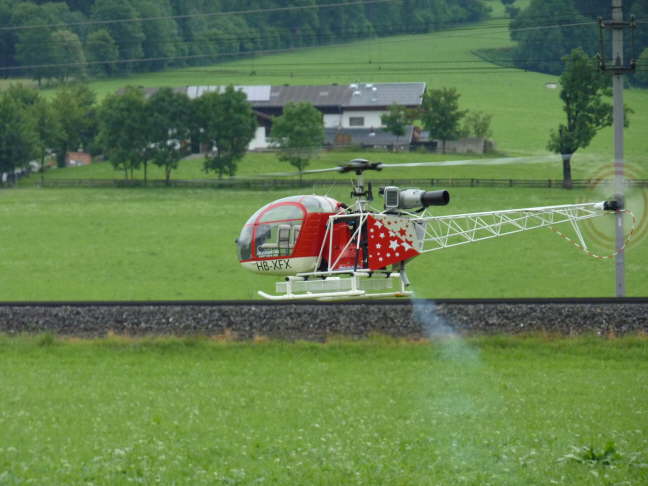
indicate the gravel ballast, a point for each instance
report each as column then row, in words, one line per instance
column 311, row 321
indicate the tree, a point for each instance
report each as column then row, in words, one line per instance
column 67, row 55
column 34, row 47
column 477, row 124
column 641, row 77
column 441, row 115
column 127, row 34
column 583, row 87
column 42, row 119
column 17, row 137
column 75, row 111
column 7, row 37
column 160, row 34
column 396, row 120
column 102, row 52
column 123, row 129
column 47, row 128
column 299, row 133
column 228, row 125
column 168, row 116
column 511, row 9
column 540, row 49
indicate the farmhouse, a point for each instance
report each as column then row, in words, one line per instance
column 351, row 113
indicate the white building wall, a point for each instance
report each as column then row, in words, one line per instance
column 259, row 141
column 332, row 120
column 371, row 119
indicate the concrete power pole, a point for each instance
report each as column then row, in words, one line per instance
column 618, row 69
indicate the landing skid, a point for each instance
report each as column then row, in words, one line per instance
column 356, row 285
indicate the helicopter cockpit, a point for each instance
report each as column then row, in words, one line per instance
column 274, row 230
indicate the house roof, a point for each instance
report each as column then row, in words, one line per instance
column 355, row 95
column 385, row 94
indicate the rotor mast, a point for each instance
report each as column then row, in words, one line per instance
column 362, row 196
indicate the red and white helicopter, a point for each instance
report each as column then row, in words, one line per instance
column 327, row 250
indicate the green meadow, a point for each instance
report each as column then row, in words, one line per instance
column 179, row 244
column 488, row 411
column 256, row 164
column 123, row 244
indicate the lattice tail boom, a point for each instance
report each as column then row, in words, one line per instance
column 447, row 231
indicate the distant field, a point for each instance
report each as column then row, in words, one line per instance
column 500, row 411
column 524, row 110
column 121, row 244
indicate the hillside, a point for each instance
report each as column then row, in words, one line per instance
column 72, row 39
column 524, row 110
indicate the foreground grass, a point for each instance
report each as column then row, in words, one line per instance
column 498, row 411
column 123, row 244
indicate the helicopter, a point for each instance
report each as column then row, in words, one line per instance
column 327, row 250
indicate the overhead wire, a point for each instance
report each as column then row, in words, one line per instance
column 202, row 14
column 240, row 13
column 462, row 29
column 243, row 53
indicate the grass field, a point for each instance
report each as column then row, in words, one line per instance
column 255, row 163
column 111, row 244
column 498, row 411
column 141, row 244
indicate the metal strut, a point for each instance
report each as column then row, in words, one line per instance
column 459, row 229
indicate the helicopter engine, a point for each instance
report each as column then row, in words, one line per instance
column 397, row 198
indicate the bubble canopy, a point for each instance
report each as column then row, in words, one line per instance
column 273, row 230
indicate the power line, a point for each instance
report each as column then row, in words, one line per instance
column 399, row 29
column 238, row 53
column 377, row 63
column 204, row 14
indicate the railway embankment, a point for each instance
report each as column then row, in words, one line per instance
column 320, row 321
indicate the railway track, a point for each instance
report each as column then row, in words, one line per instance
column 318, row 321
column 244, row 303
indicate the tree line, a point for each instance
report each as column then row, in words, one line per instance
column 548, row 30
column 77, row 38
column 133, row 130
column 128, row 128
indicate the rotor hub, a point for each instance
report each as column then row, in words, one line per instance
column 359, row 166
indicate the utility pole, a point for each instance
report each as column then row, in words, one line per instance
column 618, row 69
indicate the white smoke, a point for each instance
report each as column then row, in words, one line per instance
column 437, row 328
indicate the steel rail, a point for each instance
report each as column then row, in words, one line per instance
column 386, row 302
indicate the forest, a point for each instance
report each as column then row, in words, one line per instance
column 575, row 25
column 78, row 38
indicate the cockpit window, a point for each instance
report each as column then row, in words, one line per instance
column 282, row 213
column 244, row 243
column 276, row 239
column 273, row 231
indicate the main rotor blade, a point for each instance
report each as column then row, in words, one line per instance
column 311, row 171
column 349, row 167
column 478, row 162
